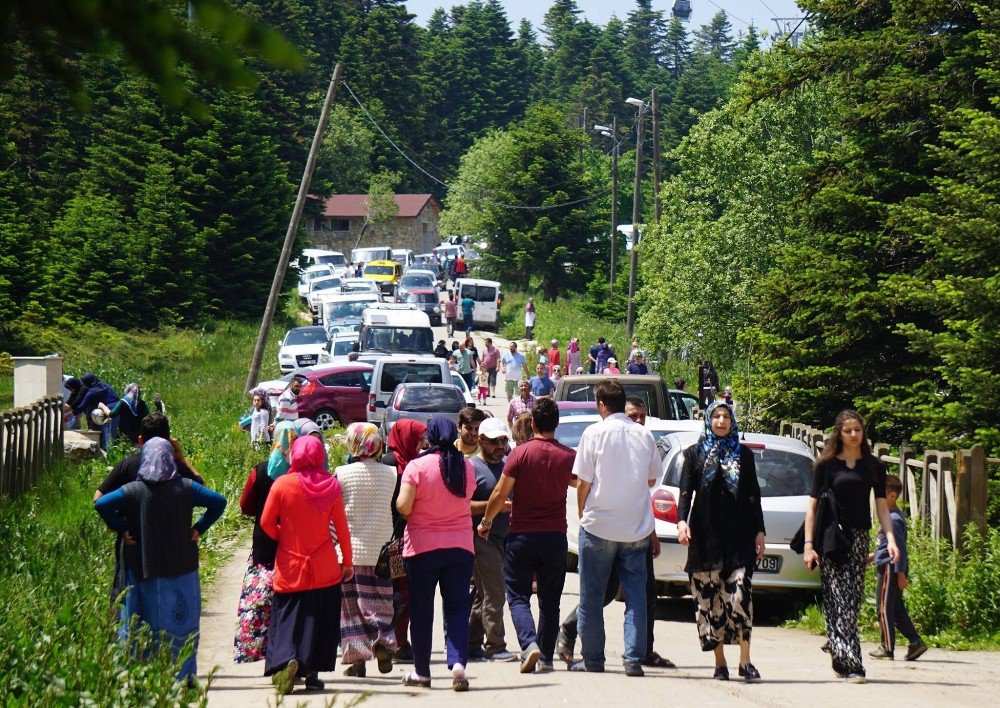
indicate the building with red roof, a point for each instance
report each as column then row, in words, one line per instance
column 344, row 218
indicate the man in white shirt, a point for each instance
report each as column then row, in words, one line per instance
column 288, row 404
column 512, row 367
column 616, row 464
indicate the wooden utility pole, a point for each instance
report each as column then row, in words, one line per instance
column 293, row 227
column 656, row 158
column 635, row 219
column 614, row 201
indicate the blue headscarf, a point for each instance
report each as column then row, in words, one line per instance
column 720, row 453
column 442, row 434
column 132, row 398
column 156, row 461
column 284, row 434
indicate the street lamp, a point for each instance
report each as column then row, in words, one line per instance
column 640, row 108
column 612, row 132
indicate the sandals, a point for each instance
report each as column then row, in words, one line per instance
column 658, row 662
column 563, row 649
column 357, row 669
column 384, row 658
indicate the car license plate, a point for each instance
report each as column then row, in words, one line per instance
column 768, row 564
column 307, row 360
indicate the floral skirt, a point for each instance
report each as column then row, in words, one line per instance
column 253, row 614
column 366, row 615
column 725, row 607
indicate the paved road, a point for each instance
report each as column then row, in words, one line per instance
column 794, row 670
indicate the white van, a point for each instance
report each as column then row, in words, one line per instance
column 389, row 328
column 403, row 256
column 374, row 253
column 321, row 256
column 487, row 296
column 390, row 371
column 346, row 309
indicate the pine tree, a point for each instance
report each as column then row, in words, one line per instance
column 716, row 38
column 645, row 31
column 676, row 47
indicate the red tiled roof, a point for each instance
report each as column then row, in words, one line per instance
column 343, row 206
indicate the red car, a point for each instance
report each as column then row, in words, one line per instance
column 334, row 394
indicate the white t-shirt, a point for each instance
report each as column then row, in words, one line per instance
column 513, row 365
column 618, row 458
column 529, row 318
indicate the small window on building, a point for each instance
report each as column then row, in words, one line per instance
column 318, row 223
column 340, row 224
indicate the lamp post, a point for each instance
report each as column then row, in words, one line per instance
column 640, row 106
column 612, row 132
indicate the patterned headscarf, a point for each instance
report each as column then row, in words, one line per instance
column 284, row 435
column 132, row 397
column 319, row 486
column 363, row 441
column 442, row 434
column 403, row 441
column 720, row 453
column 156, row 461
column 574, row 345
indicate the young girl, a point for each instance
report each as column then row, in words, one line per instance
column 259, row 418
column 483, row 381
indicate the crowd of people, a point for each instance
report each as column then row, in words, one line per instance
column 96, row 403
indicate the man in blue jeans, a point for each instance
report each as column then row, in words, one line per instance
column 616, row 464
column 538, row 474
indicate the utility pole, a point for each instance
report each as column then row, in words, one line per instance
column 658, row 206
column 293, row 227
column 635, row 213
column 614, row 202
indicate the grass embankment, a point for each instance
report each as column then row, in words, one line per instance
column 58, row 642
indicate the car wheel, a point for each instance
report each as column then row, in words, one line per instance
column 326, row 418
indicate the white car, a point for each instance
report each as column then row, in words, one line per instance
column 310, row 274
column 459, row 382
column 303, row 346
column 318, row 287
column 354, row 286
column 341, row 345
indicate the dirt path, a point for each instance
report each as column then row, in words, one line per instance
column 794, row 670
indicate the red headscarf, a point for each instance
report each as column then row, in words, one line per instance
column 403, row 440
column 308, row 460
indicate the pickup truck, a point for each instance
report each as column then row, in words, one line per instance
column 663, row 403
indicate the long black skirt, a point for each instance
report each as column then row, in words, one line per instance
column 305, row 626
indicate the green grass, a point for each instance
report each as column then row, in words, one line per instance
column 58, row 643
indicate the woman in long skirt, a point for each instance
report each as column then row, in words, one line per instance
column 305, row 612
column 253, row 614
column 366, row 612
column 162, row 559
column 724, row 533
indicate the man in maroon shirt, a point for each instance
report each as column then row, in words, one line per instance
column 538, row 473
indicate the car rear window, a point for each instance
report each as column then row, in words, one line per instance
column 585, row 392
column 780, row 473
column 412, row 281
column 480, row 293
column 331, row 284
column 395, row 374
column 569, row 432
column 421, row 399
column 343, row 347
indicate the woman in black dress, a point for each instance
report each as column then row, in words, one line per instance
column 852, row 472
column 723, row 527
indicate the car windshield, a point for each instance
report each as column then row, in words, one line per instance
column 336, row 259
column 584, row 391
column 379, row 270
column 480, row 293
column 418, row 298
column 430, row 399
column 331, row 284
column 306, row 336
column 780, row 473
column 343, row 347
column 415, row 281
column 399, row 339
column 349, row 310
column 569, row 432
column 312, row 275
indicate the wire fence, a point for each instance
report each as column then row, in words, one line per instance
column 31, row 439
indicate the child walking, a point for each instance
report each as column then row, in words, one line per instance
column 259, row 420
column 891, row 581
column 483, row 381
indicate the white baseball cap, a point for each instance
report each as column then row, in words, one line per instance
column 494, row 428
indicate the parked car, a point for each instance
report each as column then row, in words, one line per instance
column 318, row 287
column 320, row 256
column 335, row 394
column 403, row 256
column 310, row 274
column 685, row 404
column 427, row 301
column 352, row 286
column 649, row 387
column 391, row 371
column 386, row 274
column 303, row 346
column 411, row 281
column 459, row 382
column 429, row 262
column 340, row 346
column 275, row 387
column 340, row 310
column 423, row 401
column 373, row 253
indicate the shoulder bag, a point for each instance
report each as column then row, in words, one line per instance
column 390, row 564
column 830, row 539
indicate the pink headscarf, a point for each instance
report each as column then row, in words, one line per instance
column 308, row 458
column 574, row 345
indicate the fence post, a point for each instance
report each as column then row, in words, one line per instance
column 949, row 506
column 970, row 490
column 60, row 427
column 36, row 442
column 4, row 456
column 785, row 428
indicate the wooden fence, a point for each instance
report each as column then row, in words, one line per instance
column 946, row 490
column 31, row 438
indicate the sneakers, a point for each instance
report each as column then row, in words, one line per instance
column 581, row 665
column 881, row 653
column 530, row 657
column 544, row 667
column 502, row 655
column 916, row 651
column 634, row 670
column 855, row 678
column 477, row 655
column 749, row 672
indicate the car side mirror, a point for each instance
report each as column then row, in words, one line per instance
column 281, row 342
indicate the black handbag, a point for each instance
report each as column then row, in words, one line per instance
column 389, row 565
column 830, row 539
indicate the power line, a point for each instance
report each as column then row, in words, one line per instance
column 727, row 12
column 450, row 188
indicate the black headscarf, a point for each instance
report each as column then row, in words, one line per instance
column 441, row 434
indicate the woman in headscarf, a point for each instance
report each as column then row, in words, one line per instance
column 434, row 497
column 76, row 394
column 406, row 439
column 305, row 611
column 130, row 410
column 253, row 614
column 97, row 392
column 366, row 612
column 573, row 356
column 162, row 561
column 724, row 533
